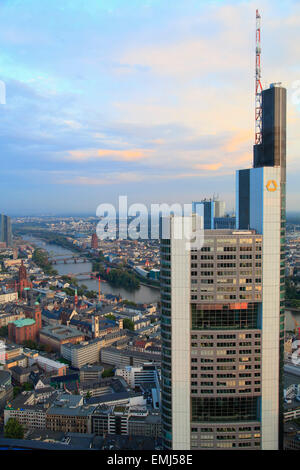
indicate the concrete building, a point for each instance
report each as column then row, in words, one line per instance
column 125, row 420
column 138, row 375
column 6, row 318
column 67, row 414
column 91, row 373
column 87, row 352
column 222, row 312
column 127, row 357
column 30, row 408
column 6, row 389
column 48, row 365
column 56, row 336
column 8, row 296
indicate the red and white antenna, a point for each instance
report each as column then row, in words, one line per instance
column 258, row 86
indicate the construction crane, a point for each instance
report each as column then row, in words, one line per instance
column 99, row 285
column 258, row 85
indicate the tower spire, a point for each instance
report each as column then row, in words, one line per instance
column 258, row 86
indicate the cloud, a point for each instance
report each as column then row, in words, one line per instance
column 209, row 166
column 160, row 96
column 125, row 155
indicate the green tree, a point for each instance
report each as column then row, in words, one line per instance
column 108, row 373
column 40, row 258
column 4, row 331
column 128, row 324
column 17, row 390
column 13, row 429
column 27, row 386
column 110, row 316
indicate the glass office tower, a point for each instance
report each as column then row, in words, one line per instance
column 222, row 312
column 5, row 230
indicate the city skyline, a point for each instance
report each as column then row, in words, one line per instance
column 106, row 101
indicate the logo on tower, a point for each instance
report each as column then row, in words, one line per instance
column 271, row 186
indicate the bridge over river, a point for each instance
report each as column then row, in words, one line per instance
column 67, row 259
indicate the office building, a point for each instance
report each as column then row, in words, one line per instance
column 222, row 312
column 227, row 222
column 135, row 376
column 5, row 230
column 125, row 420
column 209, row 209
column 55, row 337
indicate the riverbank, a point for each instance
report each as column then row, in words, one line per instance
column 144, row 294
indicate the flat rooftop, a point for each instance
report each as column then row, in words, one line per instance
column 60, row 332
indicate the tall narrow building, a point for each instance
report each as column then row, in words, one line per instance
column 94, row 242
column 222, row 312
column 5, row 230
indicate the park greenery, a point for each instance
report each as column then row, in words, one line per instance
column 40, row 258
column 117, row 277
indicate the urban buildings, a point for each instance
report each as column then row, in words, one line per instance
column 6, row 389
column 8, row 295
column 54, row 337
column 5, row 230
column 209, row 209
column 222, row 312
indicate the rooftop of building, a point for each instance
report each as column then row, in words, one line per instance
column 108, row 397
column 80, row 411
column 233, row 232
column 24, row 322
column 60, row 332
column 12, row 444
column 5, row 376
column 91, row 368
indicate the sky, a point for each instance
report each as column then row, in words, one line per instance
column 153, row 99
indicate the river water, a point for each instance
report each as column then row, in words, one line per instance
column 144, row 294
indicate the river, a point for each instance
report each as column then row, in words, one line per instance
column 144, row 294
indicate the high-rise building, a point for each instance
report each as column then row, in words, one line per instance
column 94, row 242
column 261, row 204
column 5, row 230
column 222, row 312
column 209, row 209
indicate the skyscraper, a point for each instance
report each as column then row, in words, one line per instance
column 222, row 312
column 210, row 209
column 5, row 230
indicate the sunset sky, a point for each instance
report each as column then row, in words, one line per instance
column 153, row 99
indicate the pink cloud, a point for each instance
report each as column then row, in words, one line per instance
column 124, row 155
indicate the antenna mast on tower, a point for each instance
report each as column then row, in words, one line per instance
column 258, row 86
